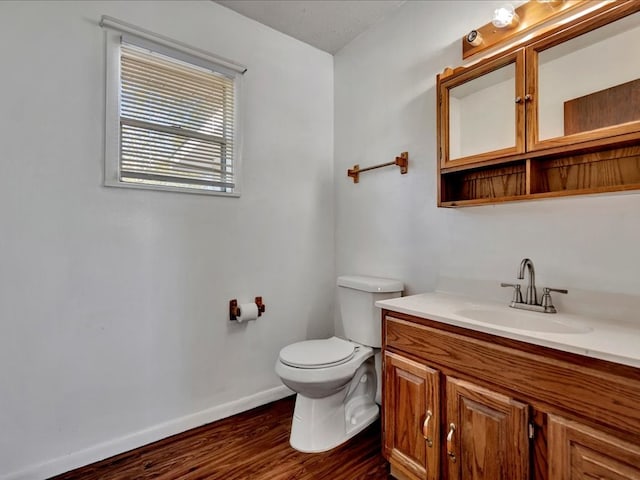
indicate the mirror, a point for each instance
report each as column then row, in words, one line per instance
column 591, row 81
column 482, row 113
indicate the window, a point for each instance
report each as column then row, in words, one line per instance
column 172, row 117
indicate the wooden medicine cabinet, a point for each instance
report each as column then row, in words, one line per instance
column 556, row 115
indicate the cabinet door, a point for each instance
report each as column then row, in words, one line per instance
column 482, row 111
column 411, row 417
column 578, row 452
column 486, row 434
column 584, row 84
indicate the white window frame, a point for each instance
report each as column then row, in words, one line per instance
column 115, row 31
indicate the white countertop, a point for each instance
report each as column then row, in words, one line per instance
column 614, row 342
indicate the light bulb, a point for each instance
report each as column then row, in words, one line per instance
column 504, row 16
column 474, row 38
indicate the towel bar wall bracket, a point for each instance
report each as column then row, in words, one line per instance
column 402, row 161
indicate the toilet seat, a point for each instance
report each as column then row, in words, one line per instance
column 312, row 354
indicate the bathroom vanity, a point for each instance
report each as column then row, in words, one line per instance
column 470, row 399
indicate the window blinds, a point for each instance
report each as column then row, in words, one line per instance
column 177, row 122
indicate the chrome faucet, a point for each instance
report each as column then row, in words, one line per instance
column 531, row 297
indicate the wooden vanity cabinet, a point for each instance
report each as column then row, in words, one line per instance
column 557, row 114
column 465, row 405
column 412, row 428
column 578, row 452
column 486, row 433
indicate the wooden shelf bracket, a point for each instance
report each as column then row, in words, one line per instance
column 402, row 161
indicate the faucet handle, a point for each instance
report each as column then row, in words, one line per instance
column 546, row 303
column 517, row 294
column 546, row 290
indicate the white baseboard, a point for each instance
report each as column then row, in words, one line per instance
column 143, row 437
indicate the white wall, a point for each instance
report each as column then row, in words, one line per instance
column 388, row 224
column 113, row 302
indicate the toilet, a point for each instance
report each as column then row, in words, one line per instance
column 338, row 380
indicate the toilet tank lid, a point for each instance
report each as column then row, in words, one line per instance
column 370, row 284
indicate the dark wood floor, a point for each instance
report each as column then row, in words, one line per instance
column 252, row 445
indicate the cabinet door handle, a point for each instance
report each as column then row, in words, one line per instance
column 518, row 99
column 528, row 97
column 425, row 429
column 450, row 452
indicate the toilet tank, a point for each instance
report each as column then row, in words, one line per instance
column 359, row 315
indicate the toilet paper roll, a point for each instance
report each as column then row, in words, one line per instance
column 248, row 311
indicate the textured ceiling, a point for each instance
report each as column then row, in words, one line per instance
column 326, row 24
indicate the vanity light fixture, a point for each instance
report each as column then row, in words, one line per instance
column 508, row 22
column 505, row 17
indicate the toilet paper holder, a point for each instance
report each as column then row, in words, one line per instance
column 234, row 308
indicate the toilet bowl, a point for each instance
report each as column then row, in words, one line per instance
column 336, row 386
column 337, row 380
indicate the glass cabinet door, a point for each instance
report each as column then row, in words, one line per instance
column 585, row 84
column 482, row 112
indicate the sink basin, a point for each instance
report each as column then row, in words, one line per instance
column 523, row 320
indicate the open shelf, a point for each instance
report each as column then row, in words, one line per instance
column 609, row 170
column 543, row 177
column 492, row 183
